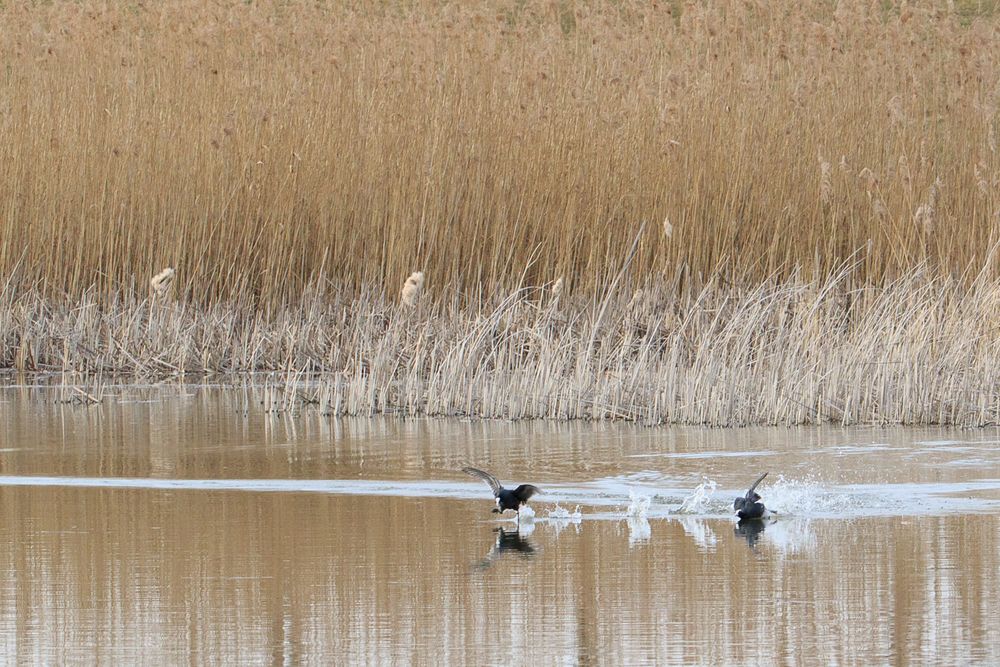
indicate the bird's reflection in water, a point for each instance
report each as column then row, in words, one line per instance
column 508, row 542
column 750, row 530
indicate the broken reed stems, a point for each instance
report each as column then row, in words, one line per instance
column 920, row 350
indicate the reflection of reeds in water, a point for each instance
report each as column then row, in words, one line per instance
column 919, row 350
column 489, row 137
column 205, row 574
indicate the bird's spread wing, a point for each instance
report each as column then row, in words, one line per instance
column 485, row 476
column 759, row 480
column 525, row 491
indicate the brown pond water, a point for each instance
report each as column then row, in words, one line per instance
column 182, row 525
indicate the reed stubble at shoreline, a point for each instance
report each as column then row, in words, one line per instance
column 919, row 350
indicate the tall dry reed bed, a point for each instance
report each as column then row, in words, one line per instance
column 919, row 350
column 257, row 146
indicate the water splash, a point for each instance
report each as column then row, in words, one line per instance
column 638, row 504
column 561, row 518
column 809, row 497
column 699, row 500
column 806, row 497
column 559, row 513
column 526, row 514
column 639, row 529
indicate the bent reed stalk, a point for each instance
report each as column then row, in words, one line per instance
column 920, row 350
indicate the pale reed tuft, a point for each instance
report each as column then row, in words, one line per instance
column 870, row 179
column 879, row 209
column 161, row 282
column 982, row 182
column 925, row 216
column 825, row 182
column 557, row 287
column 895, row 106
column 903, row 169
column 668, row 229
column 412, row 288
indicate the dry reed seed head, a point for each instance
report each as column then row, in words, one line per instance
column 903, row 167
column 935, row 191
column 895, row 106
column 825, row 182
column 879, row 209
column 412, row 289
column 982, row 182
column 844, row 167
column 924, row 218
column 870, row 179
column 668, row 229
column 161, row 282
column 557, row 287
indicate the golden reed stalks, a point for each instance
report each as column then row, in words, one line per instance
column 262, row 147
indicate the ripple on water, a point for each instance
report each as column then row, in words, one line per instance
column 805, row 497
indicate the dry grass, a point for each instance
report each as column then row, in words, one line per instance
column 921, row 350
column 263, row 147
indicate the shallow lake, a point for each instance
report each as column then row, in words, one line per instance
column 181, row 524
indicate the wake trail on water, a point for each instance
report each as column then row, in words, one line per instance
column 638, row 496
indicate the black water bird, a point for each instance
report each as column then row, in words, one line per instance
column 506, row 499
column 749, row 506
column 508, row 542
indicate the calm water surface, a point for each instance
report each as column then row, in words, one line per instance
column 182, row 525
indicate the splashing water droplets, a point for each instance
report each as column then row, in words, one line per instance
column 560, row 513
column 638, row 505
column 698, row 501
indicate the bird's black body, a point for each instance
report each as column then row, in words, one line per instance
column 749, row 506
column 507, row 499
